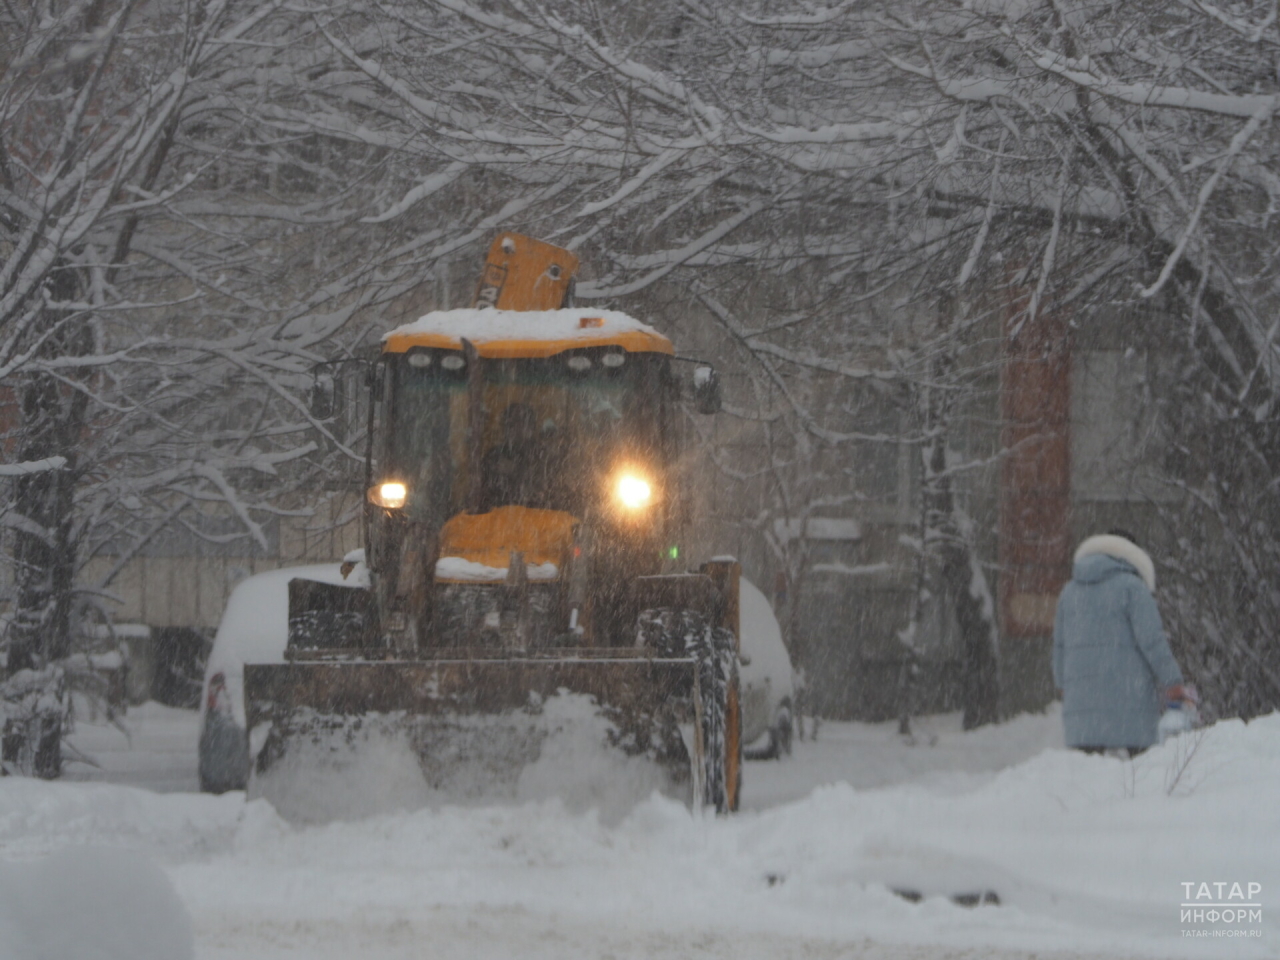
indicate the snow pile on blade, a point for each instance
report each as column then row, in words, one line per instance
column 348, row 767
column 579, row 765
column 356, row 767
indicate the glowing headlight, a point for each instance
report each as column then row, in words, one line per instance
column 633, row 492
column 390, row 495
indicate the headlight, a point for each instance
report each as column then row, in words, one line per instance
column 633, row 491
column 390, row 495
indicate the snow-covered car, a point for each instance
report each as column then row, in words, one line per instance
column 255, row 629
column 766, row 678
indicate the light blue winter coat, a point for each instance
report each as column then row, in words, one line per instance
column 1110, row 655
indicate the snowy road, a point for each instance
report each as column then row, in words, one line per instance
column 505, row 933
column 1085, row 853
column 153, row 746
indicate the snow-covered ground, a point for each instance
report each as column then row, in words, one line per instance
column 152, row 746
column 938, row 755
column 1087, row 855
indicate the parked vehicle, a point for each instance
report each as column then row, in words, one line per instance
column 254, row 627
column 767, row 681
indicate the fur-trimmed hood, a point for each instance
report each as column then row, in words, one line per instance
column 1118, row 548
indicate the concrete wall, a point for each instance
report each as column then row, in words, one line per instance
column 192, row 590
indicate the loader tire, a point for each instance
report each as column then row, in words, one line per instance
column 676, row 632
column 718, row 687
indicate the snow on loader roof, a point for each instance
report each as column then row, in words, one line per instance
column 527, row 333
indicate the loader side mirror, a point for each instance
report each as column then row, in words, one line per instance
column 706, row 390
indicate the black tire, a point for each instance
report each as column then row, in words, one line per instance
column 717, row 676
column 223, row 756
column 681, row 632
column 784, row 728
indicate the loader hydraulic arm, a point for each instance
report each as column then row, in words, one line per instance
column 521, row 273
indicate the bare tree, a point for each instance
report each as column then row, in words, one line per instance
column 159, row 308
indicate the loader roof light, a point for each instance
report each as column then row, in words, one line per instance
column 614, row 359
column 389, row 495
column 633, row 491
column 579, row 363
column 453, row 362
column 419, row 360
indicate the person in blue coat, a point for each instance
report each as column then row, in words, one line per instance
column 1111, row 659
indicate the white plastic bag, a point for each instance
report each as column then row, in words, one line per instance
column 1178, row 717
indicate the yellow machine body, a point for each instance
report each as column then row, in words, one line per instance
column 525, row 496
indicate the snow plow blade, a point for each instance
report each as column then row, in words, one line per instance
column 344, row 738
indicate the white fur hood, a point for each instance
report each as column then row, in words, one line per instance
column 1120, row 549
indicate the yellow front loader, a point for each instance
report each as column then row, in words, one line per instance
column 522, row 569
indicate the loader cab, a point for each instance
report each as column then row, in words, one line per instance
column 583, row 432
column 539, row 450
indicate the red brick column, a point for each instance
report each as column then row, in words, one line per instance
column 10, row 421
column 1035, row 476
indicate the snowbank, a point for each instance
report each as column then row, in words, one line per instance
column 38, row 818
column 86, row 903
column 151, row 746
column 1087, row 855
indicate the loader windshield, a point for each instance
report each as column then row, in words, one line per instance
column 545, row 432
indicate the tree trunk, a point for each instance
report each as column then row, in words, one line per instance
column 960, row 576
column 45, row 552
